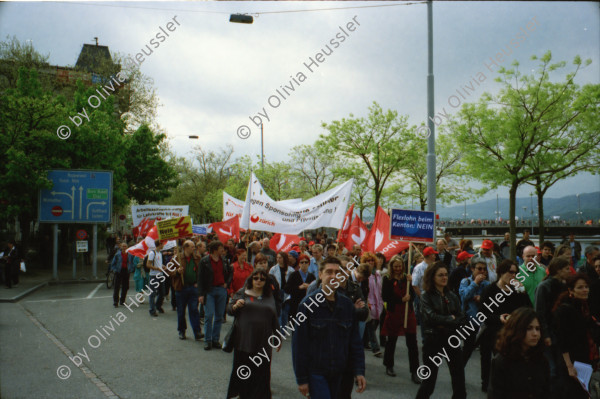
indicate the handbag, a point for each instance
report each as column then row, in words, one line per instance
column 229, row 337
column 23, row 268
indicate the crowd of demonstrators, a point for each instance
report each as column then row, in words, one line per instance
column 545, row 320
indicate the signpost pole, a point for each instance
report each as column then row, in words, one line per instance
column 95, row 251
column 55, row 252
column 74, row 260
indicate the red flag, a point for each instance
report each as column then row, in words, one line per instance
column 357, row 234
column 283, row 242
column 227, row 229
column 378, row 239
column 345, row 230
column 141, row 248
column 143, row 228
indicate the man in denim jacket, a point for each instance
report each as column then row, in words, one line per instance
column 327, row 339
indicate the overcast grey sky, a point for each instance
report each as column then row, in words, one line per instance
column 212, row 75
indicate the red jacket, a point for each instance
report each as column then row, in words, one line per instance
column 239, row 276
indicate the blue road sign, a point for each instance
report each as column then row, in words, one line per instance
column 77, row 196
column 407, row 225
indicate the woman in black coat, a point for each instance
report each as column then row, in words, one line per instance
column 441, row 315
column 496, row 311
column 297, row 283
column 520, row 370
column 577, row 331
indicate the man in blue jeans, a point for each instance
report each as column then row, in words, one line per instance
column 215, row 276
column 326, row 341
column 184, row 278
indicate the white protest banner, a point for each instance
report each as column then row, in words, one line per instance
column 233, row 206
column 325, row 210
column 157, row 212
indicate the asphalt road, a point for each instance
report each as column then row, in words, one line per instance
column 143, row 357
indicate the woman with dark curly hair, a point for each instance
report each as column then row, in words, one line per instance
column 497, row 316
column 255, row 321
column 520, row 370
column 441, row 315
column 577, row 331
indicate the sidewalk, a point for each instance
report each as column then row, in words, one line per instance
column 36, row 278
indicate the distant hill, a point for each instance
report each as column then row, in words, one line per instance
column 565, row 207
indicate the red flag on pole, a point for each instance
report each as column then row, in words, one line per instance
column 227, row 229
column 378, row 239
column 345, row 230
column 283, row 242
column 357, row 234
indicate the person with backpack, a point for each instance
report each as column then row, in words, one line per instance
column 157, row 278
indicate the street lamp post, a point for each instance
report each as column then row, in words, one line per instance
column 524, row 212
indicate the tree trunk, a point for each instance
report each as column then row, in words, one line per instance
column 512, row 213
column 540, row 199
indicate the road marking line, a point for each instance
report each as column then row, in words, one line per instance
column 94, row 379
column 94, row 291
column 67, row 299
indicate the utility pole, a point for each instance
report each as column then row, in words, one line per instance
column 431, row 168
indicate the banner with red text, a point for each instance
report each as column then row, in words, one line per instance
column 157, row 212
column 233, row 206
column 324, row 210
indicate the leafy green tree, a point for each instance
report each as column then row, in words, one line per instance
column 376, row 142
column 312, row 167
column 499, row 135
column 574, row 148
column 451, row 181
column 29, row 147
column 148, row 175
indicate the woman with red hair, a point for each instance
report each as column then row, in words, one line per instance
column 241, row 271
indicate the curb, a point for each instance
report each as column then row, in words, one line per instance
column 23, row 294
column 31, row 290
